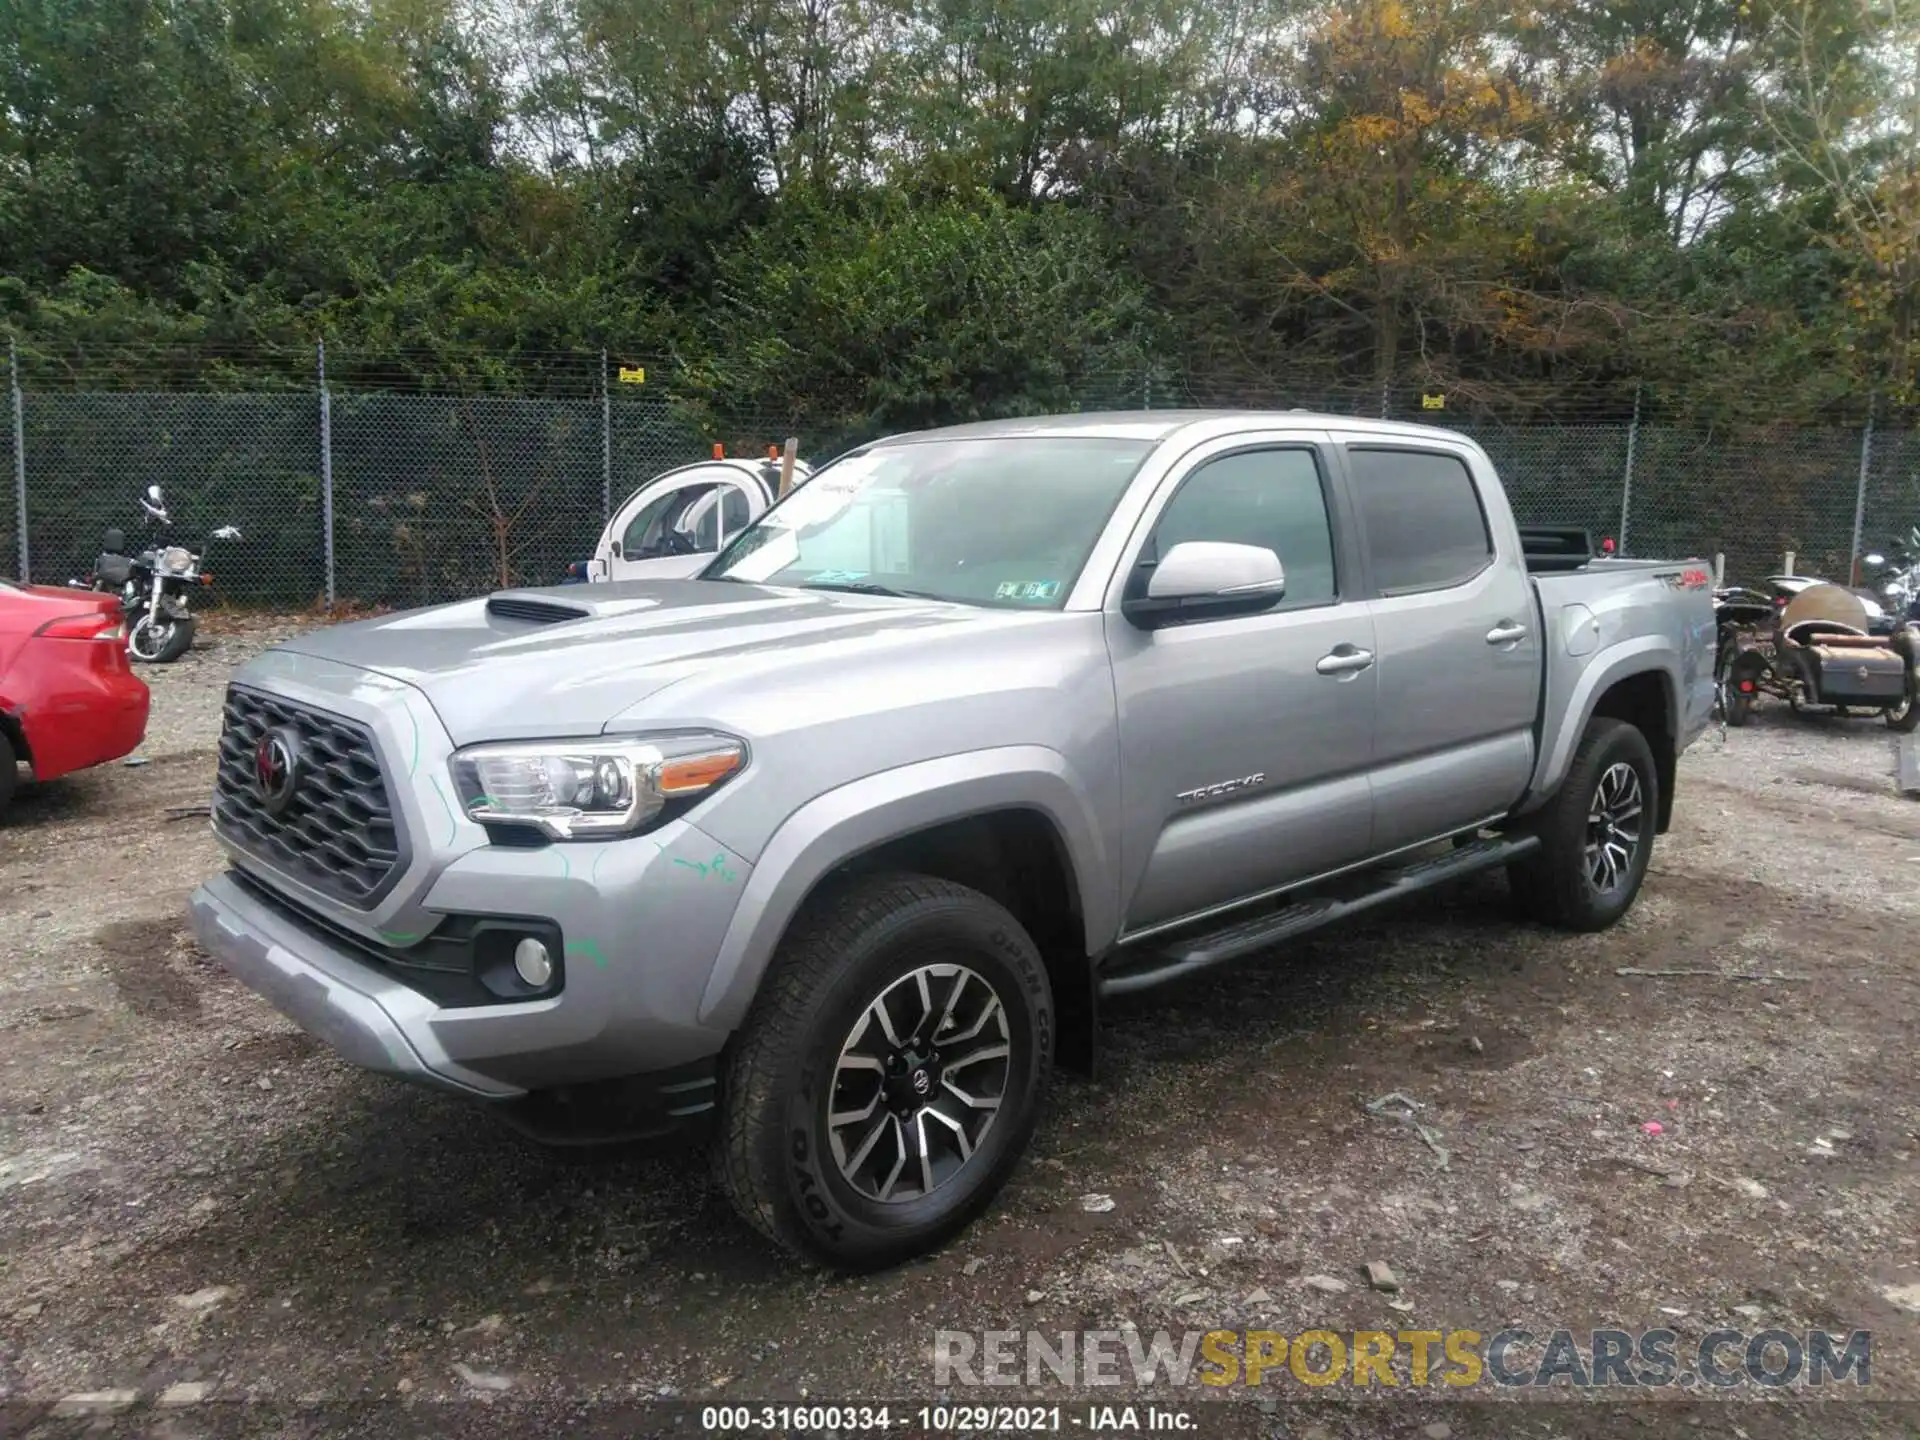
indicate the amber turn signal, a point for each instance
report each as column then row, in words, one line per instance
column 696, row 773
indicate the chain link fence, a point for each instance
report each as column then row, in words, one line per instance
column 362, row 490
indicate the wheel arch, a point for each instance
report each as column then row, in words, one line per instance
column 14, row 727
column 1640, row 684
column 1013, row 824
column 1646, row 701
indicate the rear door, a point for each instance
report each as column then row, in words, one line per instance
column 1457, row 635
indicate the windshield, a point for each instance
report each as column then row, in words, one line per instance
column 1005, row 522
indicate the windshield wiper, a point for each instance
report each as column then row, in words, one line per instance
column 867, row 587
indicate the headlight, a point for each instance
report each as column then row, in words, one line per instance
column 590, row 789
column 176, row 560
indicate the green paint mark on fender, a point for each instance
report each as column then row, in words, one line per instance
column 453, row 825
column 716, row 866
column 588, row 949
column 413, row 765
column 401, row 937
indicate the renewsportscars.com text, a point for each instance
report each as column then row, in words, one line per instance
column 1606, row 1359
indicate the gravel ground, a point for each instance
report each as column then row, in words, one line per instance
column 196, row 1196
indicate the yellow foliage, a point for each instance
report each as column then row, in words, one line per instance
column 1391, row 21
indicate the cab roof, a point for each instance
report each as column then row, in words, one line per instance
column 1159, row 425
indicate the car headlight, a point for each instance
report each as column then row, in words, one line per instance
column 590, row 789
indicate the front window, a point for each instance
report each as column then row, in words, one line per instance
column 1004, row 522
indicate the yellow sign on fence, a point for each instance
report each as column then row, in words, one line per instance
column 633, row 374
column 1433, row 402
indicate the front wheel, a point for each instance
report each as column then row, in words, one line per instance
column 160, row 642
column 1596, row 834
column 889, row 1074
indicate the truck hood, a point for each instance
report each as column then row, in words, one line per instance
column 566, row 660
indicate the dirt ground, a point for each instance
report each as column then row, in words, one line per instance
column 194, row 1195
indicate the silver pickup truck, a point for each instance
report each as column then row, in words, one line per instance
column 832, row 851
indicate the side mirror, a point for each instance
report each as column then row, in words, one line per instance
column 227, row 532
column 1207, row 579
column 614, row 549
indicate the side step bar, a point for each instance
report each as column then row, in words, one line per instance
column 1352, row 895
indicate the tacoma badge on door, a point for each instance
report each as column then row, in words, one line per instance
column 1224, row 787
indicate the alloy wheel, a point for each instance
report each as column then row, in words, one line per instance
column 1614, row 820
column 919, row 1082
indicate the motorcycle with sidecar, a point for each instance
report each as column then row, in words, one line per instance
column 1814, row 645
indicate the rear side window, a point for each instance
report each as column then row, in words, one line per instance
column 1422, row 519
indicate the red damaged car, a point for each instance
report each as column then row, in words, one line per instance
column 68, row 697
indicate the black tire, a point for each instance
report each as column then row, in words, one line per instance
column 1555, row 885
column 179, row 640
column 9, row 773
column 1738, row 708
column 1735, row 705
column 775, row 1154
column 1903, row 718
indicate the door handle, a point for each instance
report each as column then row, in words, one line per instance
column 1505, row 633
column 1344, row 660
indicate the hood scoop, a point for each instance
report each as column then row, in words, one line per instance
column 534, row 612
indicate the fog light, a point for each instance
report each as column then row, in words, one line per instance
column 532, row 963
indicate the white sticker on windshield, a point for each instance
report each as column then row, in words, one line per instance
column 1027, row 590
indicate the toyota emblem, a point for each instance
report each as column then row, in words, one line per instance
column 276, row 769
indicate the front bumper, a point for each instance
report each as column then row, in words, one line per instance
column 643, row 921
column 370, row 1020
column 380, row 1024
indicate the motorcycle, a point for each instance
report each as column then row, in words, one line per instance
column 1897, row 577
column 1815, row 645
column 154, row 585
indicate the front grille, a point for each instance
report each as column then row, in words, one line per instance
column 336, row 833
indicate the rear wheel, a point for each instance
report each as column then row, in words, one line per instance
column 888, row 1076
column 1596, row 834
column 1735, row 704
column 1905, row 716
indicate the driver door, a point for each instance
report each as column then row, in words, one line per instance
column 675, row 525
column 1245, row 742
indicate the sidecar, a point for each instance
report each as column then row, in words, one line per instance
column 1818, row 654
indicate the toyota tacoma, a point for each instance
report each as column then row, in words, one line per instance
column 831, row 851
